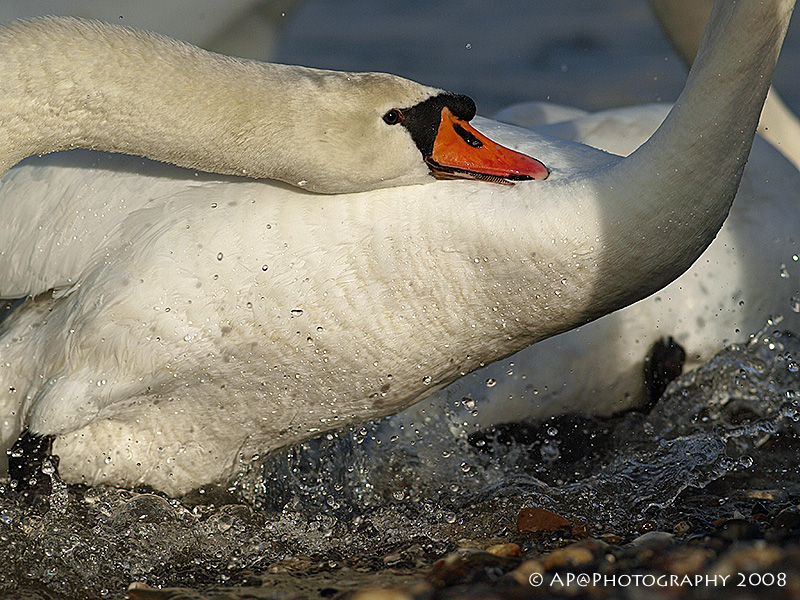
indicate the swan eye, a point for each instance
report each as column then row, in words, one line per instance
column 393, row 117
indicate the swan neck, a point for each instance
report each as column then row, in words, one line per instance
column 690, row 169
column 69, row 83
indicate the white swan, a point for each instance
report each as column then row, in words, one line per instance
column 78, row 84
column 748, row 274
column 683, row 22
column 223, row 319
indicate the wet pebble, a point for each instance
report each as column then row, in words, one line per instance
column 682, row 528
column 758, row 557
column 686, row 561
column 574, row 555
column 522, row 573
column 653, row 539
column 470, row 566
column 733, row 530
column 504, row 550
column 535, row 520
column 788, row 518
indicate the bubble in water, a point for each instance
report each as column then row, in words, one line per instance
column 746, row 461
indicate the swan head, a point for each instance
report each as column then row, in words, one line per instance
column 365, row 131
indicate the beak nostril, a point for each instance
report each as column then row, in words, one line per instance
column 467, row 136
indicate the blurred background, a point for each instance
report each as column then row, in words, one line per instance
column 583, row 53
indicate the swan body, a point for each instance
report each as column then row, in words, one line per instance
column 211, row 320
column 747, row 275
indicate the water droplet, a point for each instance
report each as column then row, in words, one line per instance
column 792, row 367
column 468, row 46
column 219, row 256
column 784, row 272
column 302, row 182
column 264, row 267
column 296, row 312
column 746, row 461
column 427, row 379
column 491, row 382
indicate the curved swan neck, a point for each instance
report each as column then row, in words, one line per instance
column 69, row 83
column 716, row 115
column 694, row 162
column 683, row 22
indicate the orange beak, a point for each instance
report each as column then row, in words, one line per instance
column 460, row 151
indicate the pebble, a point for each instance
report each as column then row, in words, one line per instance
column 755, row 558
column 788, row 518
column 523, row 572
column 504, row 550
column 573, row 555
column 686, row 560
column 538, row 520
column 653, row 539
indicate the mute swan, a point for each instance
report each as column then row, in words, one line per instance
column 748, row 274
column 81, row 84
column 221, row 319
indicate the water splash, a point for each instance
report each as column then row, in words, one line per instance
column 402, row 492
